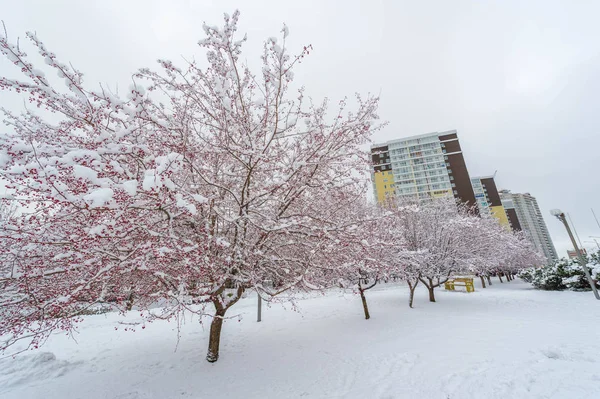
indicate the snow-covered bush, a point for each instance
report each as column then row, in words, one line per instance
column 527, row 275
column 550, row 278
column 562, row 275
column 577, row 280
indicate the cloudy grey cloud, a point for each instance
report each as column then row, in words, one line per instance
column 518, row 80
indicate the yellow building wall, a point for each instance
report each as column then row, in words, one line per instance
column 384, row 185
column 499, row 213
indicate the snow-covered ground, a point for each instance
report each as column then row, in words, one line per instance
column 508, row 341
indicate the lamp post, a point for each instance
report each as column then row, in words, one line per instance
column 561, row 216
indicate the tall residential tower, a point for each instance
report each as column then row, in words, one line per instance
column 531, row 221
column 511, row 212
column 488, row 199
column 425, row 166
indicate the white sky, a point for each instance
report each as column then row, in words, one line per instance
column 518, row 79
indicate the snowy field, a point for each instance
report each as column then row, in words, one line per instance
column 508, row 341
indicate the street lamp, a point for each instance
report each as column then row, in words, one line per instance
column 561, row 216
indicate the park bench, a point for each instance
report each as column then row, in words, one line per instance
column 466, row 282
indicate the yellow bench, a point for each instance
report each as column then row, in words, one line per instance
column 466, row 282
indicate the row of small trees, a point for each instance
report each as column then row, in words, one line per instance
column 199, row 185
column 427, row 242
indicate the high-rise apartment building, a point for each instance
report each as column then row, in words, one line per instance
column 425, row 166
column 488, row 199
column 531, row 221
column 511, row 212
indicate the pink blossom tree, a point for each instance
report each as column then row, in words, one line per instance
column 482, row 245
column 442, row 238
column 200, row 185
column 441, row 222
column 366, row 250
column 404, row 256
column 520, row 254
column 489, row 248
column 431, row 230
column 102, row 206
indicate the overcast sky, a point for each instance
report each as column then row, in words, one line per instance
column 519, row 80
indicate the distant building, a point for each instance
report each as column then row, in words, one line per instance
column 418, row 167
column 488, row 199
column 530, row 220
column 511, row 213
column 573, row 254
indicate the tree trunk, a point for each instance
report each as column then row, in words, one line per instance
column 217, row 322
column 431, row 294
column 482, row 281
column 430, row 288
column 129, row 303
column 489, row 279
column 259, row 309
column 364, row 302
column 412, row 292
column 215, row 336
column 500, row 277
column 410, row 299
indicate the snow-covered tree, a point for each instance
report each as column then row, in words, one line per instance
column 366, row 249
column 520, row 253
column 442, row 223
column 200, row 185
column 483, row 246
column 441, row 238
column 99, row 198
column 405, row 257
column 431, row 231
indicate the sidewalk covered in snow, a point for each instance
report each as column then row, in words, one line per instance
column 507, row 341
